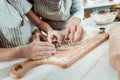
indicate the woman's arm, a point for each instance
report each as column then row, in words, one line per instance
column 41, row 24
column 74, row 29
column 77, row 9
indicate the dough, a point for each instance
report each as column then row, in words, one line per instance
column 66, row 46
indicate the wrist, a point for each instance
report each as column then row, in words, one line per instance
column 20, row 51
column 75, row 20
column 45, row 27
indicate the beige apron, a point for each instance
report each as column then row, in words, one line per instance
column 12, row 37
column 55, row 13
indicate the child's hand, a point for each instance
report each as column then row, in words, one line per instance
column 36, row 50
column 38, row 36
column 55, row 35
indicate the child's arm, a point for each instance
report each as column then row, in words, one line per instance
column 35, row 50
column 8, row 54
column 52, row 34
column 41, row 24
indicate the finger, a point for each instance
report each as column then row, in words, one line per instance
column 78, row 33
column 50, row 37
column 76, row 37
column 32, row 38
column 67, row 32
column 83, row 33
column 38, row 44
column 42, row 53
column 72, row 32
column 43, row 37
column 79, row 28
column 39, row 57
column 71, row 37
column 37, row 36
column 45, row 48
column 45, row 44
column 46, row 53
column 59, row 39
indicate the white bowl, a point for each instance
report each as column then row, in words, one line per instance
column 105, row 18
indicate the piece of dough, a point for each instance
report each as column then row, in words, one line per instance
column 77, row 44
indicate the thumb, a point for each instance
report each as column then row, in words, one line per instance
column 37, row 36
column 50, row 37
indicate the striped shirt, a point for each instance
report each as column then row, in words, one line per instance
column 15, row 29
column 57, row 12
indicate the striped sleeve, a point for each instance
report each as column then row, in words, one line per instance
column 77, row 9
column 26, row 6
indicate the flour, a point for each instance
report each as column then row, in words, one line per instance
column 104, row 18
column 55, row 59
column 72, row 46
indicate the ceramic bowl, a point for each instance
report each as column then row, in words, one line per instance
column 104, row 18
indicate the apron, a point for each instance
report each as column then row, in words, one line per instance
column 55, row 13
column 12, row 37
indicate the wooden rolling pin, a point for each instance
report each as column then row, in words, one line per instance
column 63, row 58
column 115, row 47
column 114, row 35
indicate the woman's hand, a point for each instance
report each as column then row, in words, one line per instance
column 74, row 31
column 55, row 35
column 36, row 50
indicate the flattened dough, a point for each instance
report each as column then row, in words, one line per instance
column 77, row 44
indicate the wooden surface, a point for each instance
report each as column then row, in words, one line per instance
column 62, row 58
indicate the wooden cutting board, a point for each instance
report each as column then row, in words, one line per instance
column 63, row 58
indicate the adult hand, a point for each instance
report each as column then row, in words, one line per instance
column 55, row 35
column 36, row 50
column 74, row 31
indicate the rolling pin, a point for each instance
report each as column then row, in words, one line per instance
column 63, row 58
column 114, row 46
